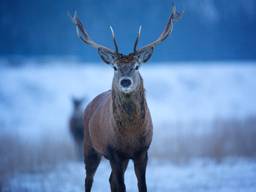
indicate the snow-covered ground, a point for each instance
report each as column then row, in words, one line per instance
column 199, row 176
column 198, row 110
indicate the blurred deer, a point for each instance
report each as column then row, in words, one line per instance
column 117, row 123
column 76, row 125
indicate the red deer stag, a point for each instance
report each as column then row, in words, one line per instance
column 117, row 123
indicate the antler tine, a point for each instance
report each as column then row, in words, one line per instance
column 114, row 39
column 167, row 30
column 83, row 35
column 137, row 40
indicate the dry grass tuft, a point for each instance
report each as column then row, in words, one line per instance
column 16, row 155
column 224, row 138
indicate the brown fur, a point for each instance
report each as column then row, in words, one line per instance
column 117, row 123
column 119, row 127
column 118, row 120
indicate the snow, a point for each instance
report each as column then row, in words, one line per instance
column 184, row 99
column 198, row 176
column 39, row 96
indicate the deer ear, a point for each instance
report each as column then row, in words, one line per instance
column 144, row 55
column 107, row 56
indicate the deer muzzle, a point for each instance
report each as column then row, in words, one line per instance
column 126, row 84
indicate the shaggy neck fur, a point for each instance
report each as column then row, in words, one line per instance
column 129, row 109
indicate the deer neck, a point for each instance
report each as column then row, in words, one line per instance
column 129, row 109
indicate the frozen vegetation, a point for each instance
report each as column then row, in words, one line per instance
column 199, row 111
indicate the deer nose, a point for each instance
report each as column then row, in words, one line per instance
column 125, row 83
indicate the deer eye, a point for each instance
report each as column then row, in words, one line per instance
column 115, row 68
column 136, row 67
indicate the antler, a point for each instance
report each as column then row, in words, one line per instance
column 167, row 30
column 137, row 40
column 114, row 38
column 83, row 35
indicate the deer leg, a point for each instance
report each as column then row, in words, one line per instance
column 111, row 182
column 92, row 160
column 140, row 164
column 116, row 178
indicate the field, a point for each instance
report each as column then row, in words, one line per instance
column 199, row 176
column 204, row 126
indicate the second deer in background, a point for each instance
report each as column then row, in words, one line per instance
column 76, row 125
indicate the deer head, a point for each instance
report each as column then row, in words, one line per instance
column 77, row 102
column 126, row 76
